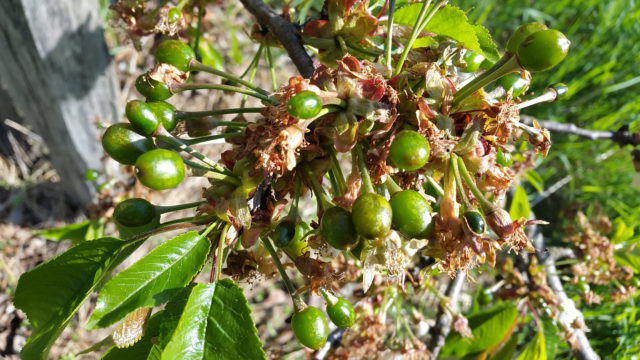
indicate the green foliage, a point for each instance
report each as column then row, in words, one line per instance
column 153, row 280
column 216, row 324
column 489, row 327
column 519, row 204
column 535, row 350
column 451, row 22
column 51, row 293
column 77, row 233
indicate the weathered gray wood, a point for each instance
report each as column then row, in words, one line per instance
column 56, row 76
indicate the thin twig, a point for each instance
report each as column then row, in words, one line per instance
column 286, row 32
column 440, row 331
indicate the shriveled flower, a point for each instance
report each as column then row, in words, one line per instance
column 461, row 326
column 168, row 74
column 511, row 232
column 502, row 126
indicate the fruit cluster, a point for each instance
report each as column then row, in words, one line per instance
column 429, row 154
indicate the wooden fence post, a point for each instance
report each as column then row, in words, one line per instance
column 56, row 77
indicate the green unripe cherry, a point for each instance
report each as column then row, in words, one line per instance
column 124, row 144
column 522, row 33
column 152, row 89
column 514, row 84
column 142, row 117
column 503, row 158
column 411, row 213
column 298, row 245
column 310, row 327
column 134, row 212
column 409, row 150
column 475, row 221
column 174, row 15
column 485, row 297
column 560, row 89
column 337, row 228
column 473, row 60
column 91, row 175
column 372, row 216
column 304, row 105
column 342, row 313
column 165, row 112
column 284, row 233
column 160, row 169
column 543, row 50
column 176, row 53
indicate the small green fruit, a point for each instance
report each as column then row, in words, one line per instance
column 543, row 50
column 176, row 53
column 134, row 212
column 372, row 216
column 310, row 327
column 304, row 105
column 124, row 144
column 160, row 169
column 522, row 33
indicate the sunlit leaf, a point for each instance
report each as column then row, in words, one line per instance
column 216, row 324
column 51, row 293
column 519, row 204
column 535, row 350
column 153, row 280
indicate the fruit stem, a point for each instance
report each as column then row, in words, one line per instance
column 170, row 208
column 485, row 204
column 456, row 174
column 337, row 171
column 274, row 79
column 199, row 86
column 285, row 278
column 550, row 95
column 422, row 21
column 297, row 190
column 192, row 219
column 388, row 44
column 435, row 186
column 195, row 65
column 323, row 202
column 220, row 251
column 182, row 146
column 180, row 115
column 204, row 139
column 497, row 71
column 392, row 185
column 367, row 186
column 329, row 297
column 203, row 171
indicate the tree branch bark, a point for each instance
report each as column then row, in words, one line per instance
column 440, row 330
column 567, row 311
column 622, row 137
column 286, row 32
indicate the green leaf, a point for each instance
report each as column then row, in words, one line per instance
column 449, row 21
column 153, row 280
column 172, row 313
column 519, row 205
column 487, row 45
column 74, row 232
column 143, row 347
column 629, row 257
column 551, row 337
column 127, row 232
column 210, row 55
column 507, row 351
column 216, row 324
column 535, row 350
column 155, row 353
column 424, row 42
column 51, row 293
column 535, row 180
column 489, row 327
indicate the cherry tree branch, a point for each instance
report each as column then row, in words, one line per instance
column 440, row 330
column 286, row 32
column 568, row 313
column 622, row 137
